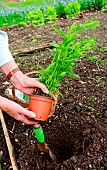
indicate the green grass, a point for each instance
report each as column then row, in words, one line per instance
column 25, row 4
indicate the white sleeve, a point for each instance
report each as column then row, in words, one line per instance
column 5, row 54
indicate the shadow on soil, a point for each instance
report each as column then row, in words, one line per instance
column 67, row 140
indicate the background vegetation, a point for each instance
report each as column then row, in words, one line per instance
column 39, row 12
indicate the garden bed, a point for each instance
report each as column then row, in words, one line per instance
column 77, row 132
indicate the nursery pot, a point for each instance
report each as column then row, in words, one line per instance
column 41, row 106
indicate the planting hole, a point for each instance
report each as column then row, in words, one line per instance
column 68, row 141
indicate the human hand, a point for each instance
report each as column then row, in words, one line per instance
column 26, row 84
column 16, row 111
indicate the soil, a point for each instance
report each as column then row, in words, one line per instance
column 77, row 132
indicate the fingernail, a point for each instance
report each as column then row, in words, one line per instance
column 36, row 125
column 33, row 114
column 46, row 91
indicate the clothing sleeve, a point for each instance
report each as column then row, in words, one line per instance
column 5, row 54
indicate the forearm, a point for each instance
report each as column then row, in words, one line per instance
column 6, row 68
column 3, row 104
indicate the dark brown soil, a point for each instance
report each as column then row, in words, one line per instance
column 77, row 132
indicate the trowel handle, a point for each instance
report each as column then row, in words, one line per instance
column 39, row 134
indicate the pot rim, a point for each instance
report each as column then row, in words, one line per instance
column 41, row 97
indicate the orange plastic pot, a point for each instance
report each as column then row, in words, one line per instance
column 41, row 106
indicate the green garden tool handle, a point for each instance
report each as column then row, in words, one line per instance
column 39, row 134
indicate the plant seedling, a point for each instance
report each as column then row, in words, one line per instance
column 66, row 55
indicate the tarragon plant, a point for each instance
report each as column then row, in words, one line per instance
column 66, row 54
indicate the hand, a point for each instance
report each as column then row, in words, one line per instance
column 16, row 111
column 26, row 84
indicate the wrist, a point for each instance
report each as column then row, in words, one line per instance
column 6, row 68
column 12, row 72
column 16, row 75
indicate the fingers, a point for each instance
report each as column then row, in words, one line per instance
column 27, row 84
column 36, row 83
column 16, row 111
column 27, row 90
column 28, row 113
column 25, row 120
column 29, row 122
column 42, row 87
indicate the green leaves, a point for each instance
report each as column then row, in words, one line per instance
column 36, row 17
column 59, row 31
column 71, row 9
column 89, row 4
column 41, row 16
column 89, row 25
column 60, row 9
column 50, row 14
column 93, row 58
column 54, row 45
column 66, row 55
